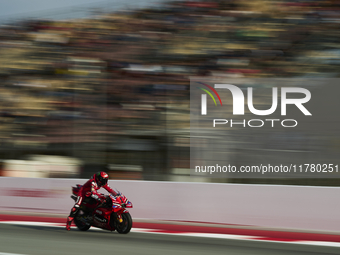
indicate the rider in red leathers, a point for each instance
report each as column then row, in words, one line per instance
column 89, row 190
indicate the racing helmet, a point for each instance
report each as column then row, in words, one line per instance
column 102, row 178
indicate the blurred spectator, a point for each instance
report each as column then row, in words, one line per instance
column 114, row 89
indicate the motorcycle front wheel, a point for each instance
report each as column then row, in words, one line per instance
column 125, row 226
column 81, row 222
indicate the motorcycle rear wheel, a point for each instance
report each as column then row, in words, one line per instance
column 125, row 226
column 80, row 222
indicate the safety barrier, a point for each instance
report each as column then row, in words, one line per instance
column 271, row 206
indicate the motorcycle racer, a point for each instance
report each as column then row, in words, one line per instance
column 89, row 190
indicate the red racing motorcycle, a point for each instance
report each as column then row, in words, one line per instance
column 110, row 215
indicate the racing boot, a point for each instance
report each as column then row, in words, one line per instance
column 68, row 223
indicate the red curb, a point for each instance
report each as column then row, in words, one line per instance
column 274, row 235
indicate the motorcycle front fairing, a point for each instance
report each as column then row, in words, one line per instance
column 119, row 203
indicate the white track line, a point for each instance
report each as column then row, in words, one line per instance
column 6, row 253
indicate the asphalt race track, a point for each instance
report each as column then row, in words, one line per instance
column 43, row 240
